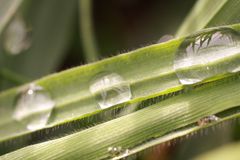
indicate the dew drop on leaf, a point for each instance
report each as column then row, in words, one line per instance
column 16, row 37
column 207, row 120
column 118, row 151
column 33, row 107
column 207, row 55
column 110, row 89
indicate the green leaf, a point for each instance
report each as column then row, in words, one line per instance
column 70, row 89
column 76, row 106
column 140, row 127
column 211, row 13
column 87, row 30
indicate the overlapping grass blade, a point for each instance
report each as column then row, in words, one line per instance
column 139, row 127
column 211, row 13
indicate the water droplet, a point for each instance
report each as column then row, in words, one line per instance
column 207, row 120
column 207, row 55
column 33, row 107
column 16, row 36
column 117, row 151
column 165, row 38
column 114, row 151
column 110, row 90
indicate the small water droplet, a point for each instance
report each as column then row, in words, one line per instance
column 117, row 151
column 33, row 107
column 110, row 90
column 165, row 38
column 114, row 151
column 16, row 36
column 207, row 120
column 207, row 55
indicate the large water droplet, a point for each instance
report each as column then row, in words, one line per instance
column 207, row 55
column 33, row 107
column 110, row 90
column 207, row 120
column 16, row 36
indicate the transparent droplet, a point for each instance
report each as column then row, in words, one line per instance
column 165, row 38
column 207, row 55
column 207, row 120
column 117, row 151
column 16, row 37
column 110, row 89
column 33, row 107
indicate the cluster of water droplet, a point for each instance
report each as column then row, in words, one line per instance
column 207, row 55
column 110, row 89
column 33, row 107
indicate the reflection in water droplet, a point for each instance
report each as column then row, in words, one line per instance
column 16, row 37
column 110, row 90
column 33, row 107
column 207, row 120
column 208, row 55
column 165, row 38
